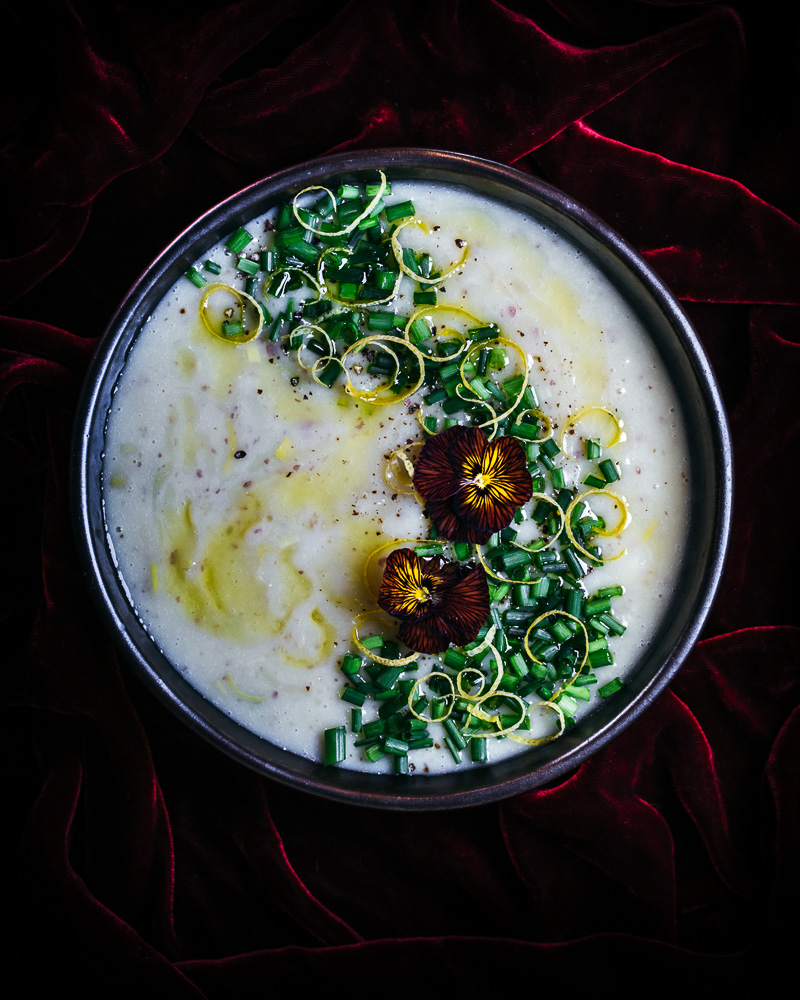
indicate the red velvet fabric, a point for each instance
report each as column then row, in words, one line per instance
column 142, row 861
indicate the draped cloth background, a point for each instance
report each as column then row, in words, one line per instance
column 137, row 857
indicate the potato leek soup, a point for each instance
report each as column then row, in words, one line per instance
column 395, row 478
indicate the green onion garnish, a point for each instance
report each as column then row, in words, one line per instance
column 239, row 241
column 195, row 277
column 335, row 745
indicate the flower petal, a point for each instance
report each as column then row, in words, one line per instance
column 468, row 605
column 402, row 593
column 452, row 525
column 492, row 482
column 434, row 476
column 427, row 636
column 455, row 620
column 438, row 602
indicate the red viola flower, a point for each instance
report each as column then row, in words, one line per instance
column 438, row 602
column 472, row 487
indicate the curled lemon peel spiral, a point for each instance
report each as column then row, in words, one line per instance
column 622, row 524
column 305, row 332
column 475, row 711
column 382, row 395
column 573, row 422
column 353, row 223
column 309, row 279
column 397, row 249
column 542, row 545
column 240, row 295
column 451, row 698
column 563, row 614
column 443, row 332
column 535, row 741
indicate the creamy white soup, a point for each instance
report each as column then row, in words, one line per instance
column 243, row 499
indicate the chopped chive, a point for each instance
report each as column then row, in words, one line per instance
column 239, row 241
column 372, row 642
column 335, row 745
column 391, row 744
column 351, row 664
column 353, row 696
column 527, row 431
column 455, row 751
column 610, row 470
column 611, row 688
column 195, row 277
column 595, row 482
column 479, row 749
column 400, row 211
column 374, row 752
column 614, row 626
column 211, row 266
column 247, row 266
column 419, row 331
column 452, row 658
column 601, row 658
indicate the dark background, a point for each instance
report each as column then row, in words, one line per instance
column 142, row 861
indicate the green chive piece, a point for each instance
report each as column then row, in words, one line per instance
column 353, row 696
column 610, row 470
column 195, row 277
column 419, row 331
column 595, row 482
column 611, row 688
column 526, row 431
column 239, row 241
column 455, row 751
column 335, row 745
column 375, row 752
column 247, row 266
column 479, row 749
column 400, row 211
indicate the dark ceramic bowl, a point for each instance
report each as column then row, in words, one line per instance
column 711, row 474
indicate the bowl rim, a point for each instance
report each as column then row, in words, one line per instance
column 455, row 789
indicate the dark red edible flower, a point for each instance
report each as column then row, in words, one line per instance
column 438, row 602
column 472, row 487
